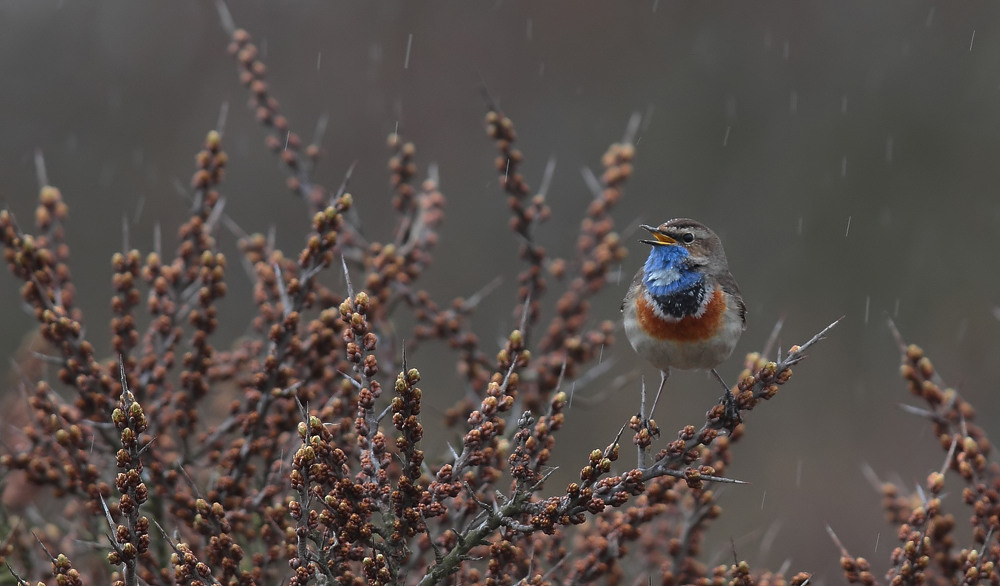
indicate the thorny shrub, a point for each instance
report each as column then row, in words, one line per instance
column 314, row 471
column 928, row 552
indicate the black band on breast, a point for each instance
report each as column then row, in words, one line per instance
column 682, row 303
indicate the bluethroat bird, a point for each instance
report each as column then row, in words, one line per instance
column 684, row 309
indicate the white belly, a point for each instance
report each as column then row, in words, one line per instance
column 685, row 355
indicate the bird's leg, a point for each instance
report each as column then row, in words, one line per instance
column 664, row 375
column 729, row 401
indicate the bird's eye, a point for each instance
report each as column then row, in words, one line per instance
column 688, row 238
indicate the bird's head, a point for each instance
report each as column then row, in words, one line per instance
column 685, row 238
column 683, row 250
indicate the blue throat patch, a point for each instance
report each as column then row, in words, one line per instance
column 666, row 271
column 677, row 289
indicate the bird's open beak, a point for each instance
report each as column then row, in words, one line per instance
column 661, row 238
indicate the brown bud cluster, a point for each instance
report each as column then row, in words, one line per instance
column 285, row 143
column 534, row 442
column 525, row 212
column 132, row 532
column 409, row 492
column 402, row 170
column 501, row 130
column 40, row 262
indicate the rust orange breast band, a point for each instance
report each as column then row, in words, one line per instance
column 687, row 329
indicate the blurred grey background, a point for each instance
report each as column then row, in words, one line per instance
column 846, row 152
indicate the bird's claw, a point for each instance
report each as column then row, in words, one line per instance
column 732, row 416
column 647, row 424
column 650, row 426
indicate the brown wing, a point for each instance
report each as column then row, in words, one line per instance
column 728, row 284
column 628, row 293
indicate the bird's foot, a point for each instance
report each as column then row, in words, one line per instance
column 731, row 417
column 645, row 424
